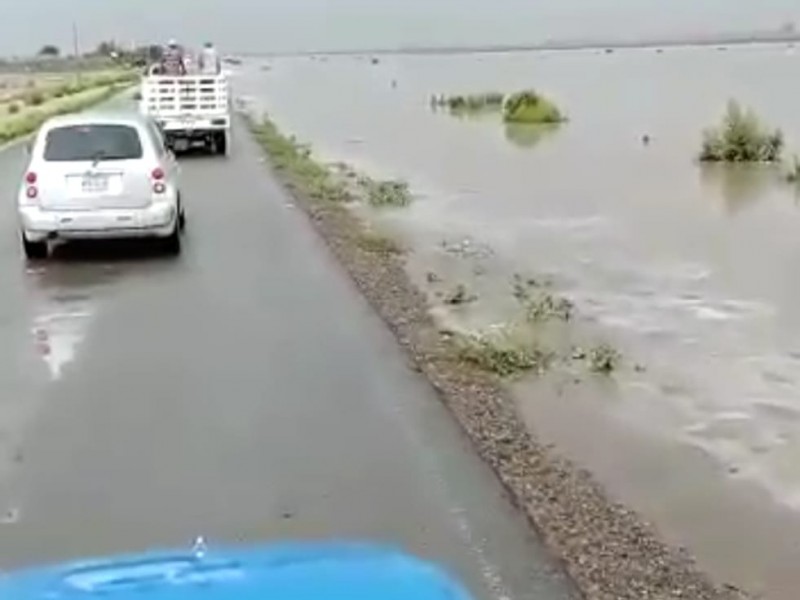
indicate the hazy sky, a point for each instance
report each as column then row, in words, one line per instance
column 281, row 25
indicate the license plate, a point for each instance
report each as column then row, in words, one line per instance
column 94, row 184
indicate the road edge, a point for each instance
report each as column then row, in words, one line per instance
column 610, row 552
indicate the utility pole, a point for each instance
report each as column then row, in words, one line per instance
column 76, row 51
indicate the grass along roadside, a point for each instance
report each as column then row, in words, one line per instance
column 26, row 122
column 26, row 119
column 607, row 549
column 42, row 88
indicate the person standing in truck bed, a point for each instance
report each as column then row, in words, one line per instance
column 209, row 60
column 172, row 62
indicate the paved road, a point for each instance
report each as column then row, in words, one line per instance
column 244, row 391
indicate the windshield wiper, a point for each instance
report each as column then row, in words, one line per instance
column 97, row 157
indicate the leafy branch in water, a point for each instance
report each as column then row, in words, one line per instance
column 741, row 137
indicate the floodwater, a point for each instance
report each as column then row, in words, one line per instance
column 690, row 272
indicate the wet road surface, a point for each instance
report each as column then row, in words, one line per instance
column 244, row 391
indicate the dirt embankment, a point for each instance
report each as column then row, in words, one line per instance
column 608, row 550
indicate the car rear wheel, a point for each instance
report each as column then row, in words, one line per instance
column 172, row 244
column 34, row 250
column 181, row 215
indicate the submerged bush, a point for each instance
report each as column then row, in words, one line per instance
column 499, row 353
column 471, row 102
column 546, row 306
column 741, row 137
column 386, row 193
column 530, row 107
column 604, row 359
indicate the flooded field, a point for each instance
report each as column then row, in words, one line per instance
column 689, row 272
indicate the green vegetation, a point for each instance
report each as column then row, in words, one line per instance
column 540, row 305
column 24, row 122
column 22, row 113
column 386, row 193
column 377, row 243
column 67, row 87
column 545, row 306
column 741, row 137
column 604, row 359
column 530, row 107
column 34, row 98
column 296, row 162
column 489, row 101
column 503, row 353
column 320, row 182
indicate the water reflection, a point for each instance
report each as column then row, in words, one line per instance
column 740, row 186
column 528, row 136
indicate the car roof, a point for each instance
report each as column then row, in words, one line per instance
column 312, row 571
column 97, row 117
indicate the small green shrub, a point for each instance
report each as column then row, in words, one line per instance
column 604, row 359
column 13, row 108
column 546, row 306
column 530, row 107
column 386, row 193
column 741, row 138
column 34, row 99
column 540, row 305
column 498, row 353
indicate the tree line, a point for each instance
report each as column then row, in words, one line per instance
column 140, row 56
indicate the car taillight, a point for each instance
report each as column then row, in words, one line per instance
column 157, row 175
column 30, row 177
column 31, row 192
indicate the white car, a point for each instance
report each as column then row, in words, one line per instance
column 100, row 176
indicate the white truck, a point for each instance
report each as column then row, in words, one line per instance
column 191, row 109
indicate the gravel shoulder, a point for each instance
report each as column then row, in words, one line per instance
column 609, row 551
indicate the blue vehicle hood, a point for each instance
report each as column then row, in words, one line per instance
column 271, row 572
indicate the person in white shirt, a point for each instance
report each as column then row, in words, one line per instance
column 209, row 60
column 172, row 60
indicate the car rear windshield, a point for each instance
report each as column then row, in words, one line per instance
column 92, row 142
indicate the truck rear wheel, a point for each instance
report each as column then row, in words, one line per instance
column 221, row 144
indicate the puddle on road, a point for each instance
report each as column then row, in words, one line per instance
column 63, row 301
column 58, row 329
